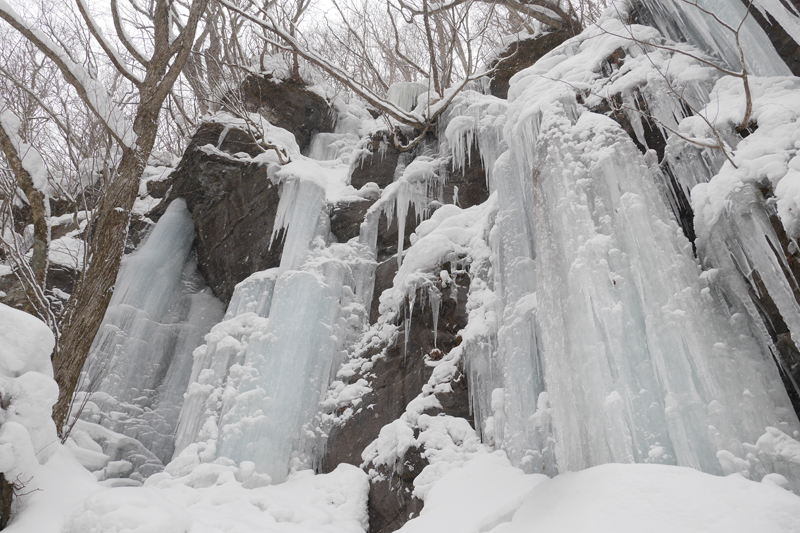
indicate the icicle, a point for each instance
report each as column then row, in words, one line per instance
column 300, row 200
column 409, row 311
column 404, row 94
column 683, row 22
column 435, row 297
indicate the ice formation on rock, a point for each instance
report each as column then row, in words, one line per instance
column 613, row 345
column 141, row 359
column 600, row 329
column 256, row 383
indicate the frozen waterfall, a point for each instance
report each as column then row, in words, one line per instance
column 141, row 358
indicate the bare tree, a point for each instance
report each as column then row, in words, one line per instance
column 167, row 30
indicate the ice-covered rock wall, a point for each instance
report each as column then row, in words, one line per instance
column 628, row 292
column 256, row 383
column 614, row 344
column 141, row 359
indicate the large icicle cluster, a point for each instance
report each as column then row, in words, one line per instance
column 613, row 345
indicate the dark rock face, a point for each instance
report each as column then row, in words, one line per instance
column 289, row 105
column 396, row 379
column 346, row 218
column 233, row 204
column 471, row 183
column 384, row 276
column 391, row 502
column 786, row 47
column 520, row 55
column 376, row 165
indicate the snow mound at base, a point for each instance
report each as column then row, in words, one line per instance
column 25, row 343
column 617, row 498
column 132, row 510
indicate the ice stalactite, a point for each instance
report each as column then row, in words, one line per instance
column 142, row 356
column 300, row 200
column 404, row 94
column 475, row 118
column 683, row 21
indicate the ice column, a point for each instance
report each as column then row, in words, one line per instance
column 641, row 362
column 529, row 445
column 286, row 368
column 225, row 346
column 157, row 316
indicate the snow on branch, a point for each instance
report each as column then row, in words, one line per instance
column 90, row 90
column 108, row 48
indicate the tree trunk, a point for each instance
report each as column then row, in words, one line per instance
column 106, row 238
column 6, row 499
column 41, row 237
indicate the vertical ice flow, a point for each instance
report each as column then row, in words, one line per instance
column 142, row 354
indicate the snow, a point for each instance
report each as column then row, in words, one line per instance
column 765, row 155
column 25, row 344
column 476, row 497
column 63, row 497
column 656, row 498
column 31, row 160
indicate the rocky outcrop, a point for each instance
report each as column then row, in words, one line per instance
column 288, row 104
column 233, row 204
column 398, row 375
column 520, row 55
column 231, row 199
